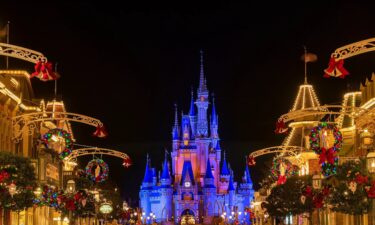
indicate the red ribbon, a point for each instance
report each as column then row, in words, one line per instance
column 44, row 71
column 327, row 155
column 251, row 161
column 318, row 201
column 280, row 127
column 335, row 69
column 3, row 176
column 127, row 162
column 100, row 131
column 325, row 191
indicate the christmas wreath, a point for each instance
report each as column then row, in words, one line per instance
column 282, row 169
column 54, row 135
column 100, row 172
column 326, row 141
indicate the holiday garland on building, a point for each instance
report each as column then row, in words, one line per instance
column 327, row 149
column 53, row 136
column 17, row 182
column 351, row 189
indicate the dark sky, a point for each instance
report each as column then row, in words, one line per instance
column 127, row 65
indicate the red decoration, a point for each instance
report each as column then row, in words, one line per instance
column 43, row 70
column 100, row 131
column 3, row 176
column 281, row 180
column 281, row 127
column 335, row 69
column 308, row 191
column 251, row 161
column 325, row 191
column 127, row 162
column 361, row 179
column 70, row 205
column 318, row 201
column 371, row 190
column 327, row 155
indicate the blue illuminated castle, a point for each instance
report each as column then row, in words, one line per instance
column 199, row 185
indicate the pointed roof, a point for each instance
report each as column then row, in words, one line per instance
column 192, row 107
column 351, row 99
column 224, row 168
column 306, row 98
column 148, row 172
column 208, row 170
column 165, row 172
column 202, row 80
column 187, row 173
column 230, row 185
column 218, row 146
column 247, row 175
column 175, row 133
column 213, row 113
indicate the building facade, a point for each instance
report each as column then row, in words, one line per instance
column 199, row 185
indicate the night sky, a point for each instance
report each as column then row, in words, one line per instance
column 127, row 66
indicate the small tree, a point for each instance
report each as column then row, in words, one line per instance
column 19, row 172
column 287, row 198
column 348, row 188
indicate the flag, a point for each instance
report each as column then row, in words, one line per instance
column 309, row 57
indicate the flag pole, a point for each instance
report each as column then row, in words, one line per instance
column 304, row 47
column 7, row 33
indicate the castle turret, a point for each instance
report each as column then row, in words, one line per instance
column 193, row 116
column 202, row 103
column 166, row 191
column 231, row 191
column 146, row 189
column 209, row 190
column 224, row 173
column 214, row 122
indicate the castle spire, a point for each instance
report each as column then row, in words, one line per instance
column 231, row 186
column 148, row 173
column 208, row 170
column 192, row 107
column 247, row 174
column 224, row 168
column 165, row 172
column 175, row 131
column 213, row 113
column 202, row 79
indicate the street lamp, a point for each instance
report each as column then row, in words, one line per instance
column 71, row 186
column 367, row 140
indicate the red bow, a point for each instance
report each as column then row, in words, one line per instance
column 100, row 131
column 43, row 70
column 127, row 162
column 251, row 161
column 281, row 180
column 327, row 155
column 335, row 69
column 280, row 127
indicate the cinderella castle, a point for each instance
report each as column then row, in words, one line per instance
column 199, row 185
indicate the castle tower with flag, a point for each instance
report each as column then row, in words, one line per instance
column 199, row 184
